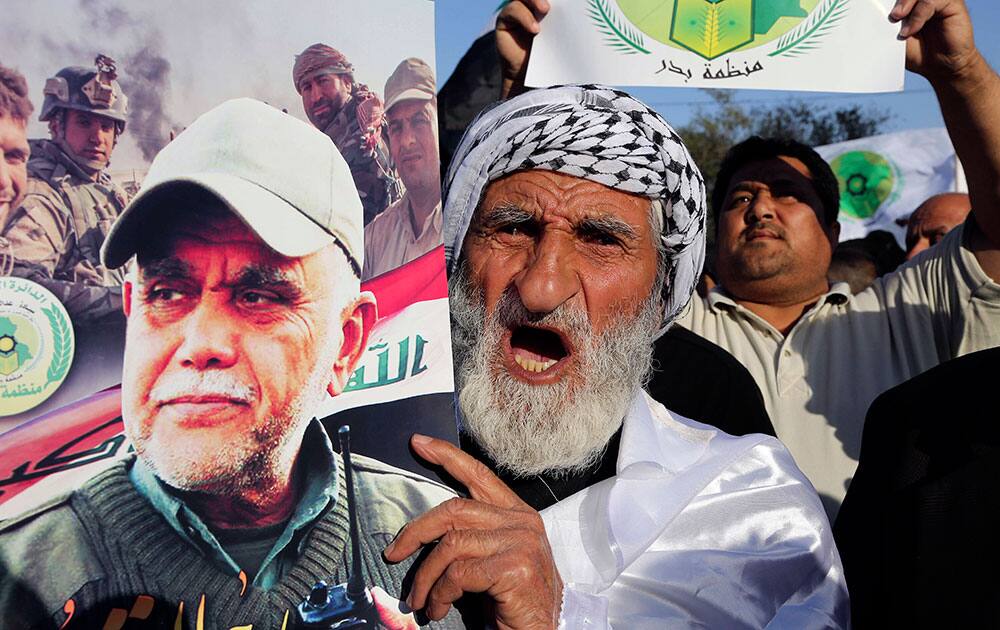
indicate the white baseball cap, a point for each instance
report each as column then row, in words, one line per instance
column 284, row 178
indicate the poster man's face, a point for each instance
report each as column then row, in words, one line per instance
column 413, row 142
column 229, row 348
column 13, row 163
column 323, row 96
column 91, row 137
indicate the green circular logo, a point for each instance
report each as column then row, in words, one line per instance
column 711, row 28
column 36, row 345
column 866, row 180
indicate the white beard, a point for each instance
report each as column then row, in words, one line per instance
column 560, row 428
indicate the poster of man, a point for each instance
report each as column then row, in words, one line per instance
column 187, row 470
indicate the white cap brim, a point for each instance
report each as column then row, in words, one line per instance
column 291, row 234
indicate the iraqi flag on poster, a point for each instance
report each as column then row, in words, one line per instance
column 407, row 362
column 884, row 178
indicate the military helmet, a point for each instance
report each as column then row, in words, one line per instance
column 87, row 90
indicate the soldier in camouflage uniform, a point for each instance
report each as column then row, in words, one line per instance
column 55, row 235
column 353, row 117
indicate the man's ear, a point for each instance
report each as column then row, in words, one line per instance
column 356, row 324
column 127, row 298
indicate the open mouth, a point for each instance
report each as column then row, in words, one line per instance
column 537, row 350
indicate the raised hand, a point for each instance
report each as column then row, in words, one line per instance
column 518, row 23
column 938, row 36
column 492, row 543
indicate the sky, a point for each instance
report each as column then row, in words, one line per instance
column 459, row 22
column 194, row 54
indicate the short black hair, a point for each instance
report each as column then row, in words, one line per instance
column 757, row 149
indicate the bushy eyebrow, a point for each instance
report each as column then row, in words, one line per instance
column 259, row 275
column 508, row 214
column 505, row 214
column 606, row 226
column 254, row 276
column 266, row 277
column 170, row 267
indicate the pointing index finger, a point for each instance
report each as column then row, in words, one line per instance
column 482, row 484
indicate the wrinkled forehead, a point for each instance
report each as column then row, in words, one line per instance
column 540, row 191
column 226, row 232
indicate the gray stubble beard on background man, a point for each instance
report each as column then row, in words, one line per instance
column 562, row 428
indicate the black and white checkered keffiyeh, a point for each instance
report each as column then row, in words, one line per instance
column 596, row 133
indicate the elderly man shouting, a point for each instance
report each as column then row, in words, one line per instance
column 574, row 229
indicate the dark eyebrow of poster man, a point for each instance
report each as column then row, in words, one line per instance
column 244, row 312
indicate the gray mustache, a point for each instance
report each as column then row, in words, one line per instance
column 212, row 383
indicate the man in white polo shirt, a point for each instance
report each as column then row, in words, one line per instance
column 819, row 354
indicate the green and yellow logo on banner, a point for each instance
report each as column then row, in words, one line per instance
column 713, row 28
column 867, row 181
column 36, row 345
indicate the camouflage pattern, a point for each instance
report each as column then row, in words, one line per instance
column 368, row 158
column 54, row 238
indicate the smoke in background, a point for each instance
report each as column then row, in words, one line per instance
column 146, row 78
column 143, row 72
column 179, row 59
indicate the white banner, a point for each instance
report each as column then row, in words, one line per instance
column 884, row 178
column 811, row 45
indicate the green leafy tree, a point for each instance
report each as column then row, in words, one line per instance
column 715, row 128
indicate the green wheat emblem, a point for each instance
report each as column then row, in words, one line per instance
column 806, row 36
column 618, row 33
column 62, row 354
